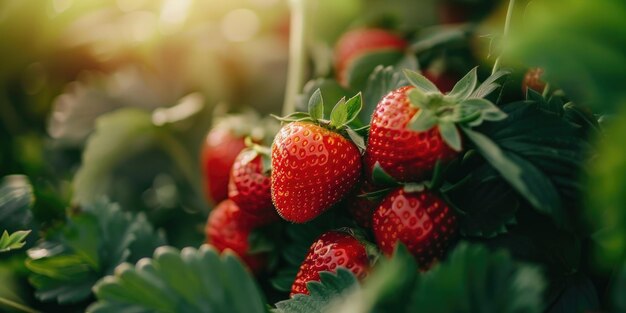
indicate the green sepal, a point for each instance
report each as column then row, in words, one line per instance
column 294, row 117
column 13, row 241
column 316, row 105
column 423, row 121
column 345, row 112
column 489, row 85
column 357, row 139
column 419, row 81
column 382, row 178
column 376, row 195
column 464, row 87
column 450, row 135
column 414, row 187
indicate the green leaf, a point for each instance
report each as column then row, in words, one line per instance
column 419, row 81
column 387, row 288
column 16, row 200
column 381, row 178
column 450, row 135
column 465, row 86
column 316, row 105
column 13, row 241
column 360, row 69
column 578, row 295
column 293, row 117
column 382, row 81
column 191, row 280
column 474, row 280
column 531, row 183
column 118, row 136
column 331, row 287
column 89, row 246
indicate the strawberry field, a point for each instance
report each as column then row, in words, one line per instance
column 313, row 156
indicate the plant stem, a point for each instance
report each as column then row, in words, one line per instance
column 17, row 306
column 507, row 26
column 296, row 69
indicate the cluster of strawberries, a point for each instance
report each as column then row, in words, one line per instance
column 315, row 163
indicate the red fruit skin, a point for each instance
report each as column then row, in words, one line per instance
column 228, row 227
column 312, row 169
column 420, row 220
column 330, row 251
column 532, row 79
column 249, row 186
column 404, row 154
column 362, row 208
column 360, row 41
column 444, row 81
column 219, row 151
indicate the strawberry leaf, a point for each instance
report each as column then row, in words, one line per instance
column 360, row 69
column 322, row 295
column 316, row 105
column 475, row 279
column 464, row 87
column 523, row 176
column 89, row 246
column 13, row 241
column 191, row 280
column 450, row 135
column 420, row 81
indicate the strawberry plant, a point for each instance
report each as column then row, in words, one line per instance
column 464, row 158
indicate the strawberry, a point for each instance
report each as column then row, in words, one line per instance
column 219, row 151
column 313, row 165
column 330, row 251
column 222, row 145
column 532, row 80
column 228, row 227
column 420, row 220
column 415, row 126
column 358, row 42
column 249, row 185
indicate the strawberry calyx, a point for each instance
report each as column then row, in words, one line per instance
column 253, row 150
column 387, row 183
column 372, row 251
column 464, row 106
column 342, row 117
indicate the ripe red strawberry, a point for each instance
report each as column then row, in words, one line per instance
column 415, row 126
column 333, row 249
column 228, row 227
column 312, row 169
column 533, row 80
column 219, row 151
column 420, row 220
column 249, row 185
column 405, row 154
column 357, row 42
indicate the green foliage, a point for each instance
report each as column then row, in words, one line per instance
column 322, row 295
column 475, row 280
column 472, row 279
column 618, row 290
column 360, row 68
column 13, row 241
column 87, row 247
column 606, row 194
column 16, row 200
column 591, row 68
column 191, row 280
column 578, row 296
column 538, row 153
